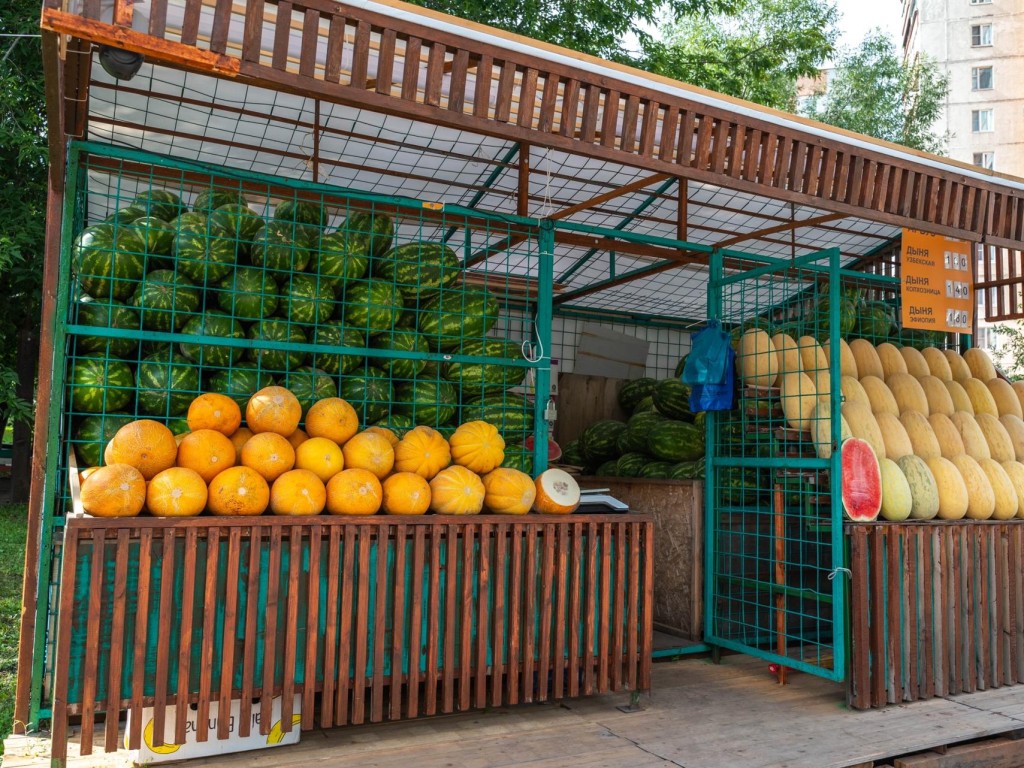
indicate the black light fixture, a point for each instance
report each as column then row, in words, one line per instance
column 119, row 63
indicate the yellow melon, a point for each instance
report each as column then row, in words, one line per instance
column 821, row 429
column 478, row 446
column 981, row 399
column 370, row 451
column 863, row 424
column 897, row 500
column 270, row 454
column 894, row 435
column 207, row 452
column 799, row 399
column 456, row 491
column 177, row 492
column 386, row 433
column 1015, row 471
column 1000, row 445
column 354, row 492
column 891, row 359
column 1002, row 488
column 939, row 399
column 980, row 364
column 815, row 365
column 1005, row 397
column 919, row 430
column 297, row 438
column 938, row 365
column 952, row 490
column 959, row 396
column 868, row 363
column 917, row 365
column 975, row 444
column 908, row 393
column 145, row 444
column 958, row 367
column 298, row 492
column 212, row 410
column 238, row 491
column 756, row 360
column 853, row 391
column 981, row 499
column 847, row 362
column 405, row 493
column 950, row 442
column 1018, row 388
column 881, row 397
column 320, row 456
column 116, row 490
column 509, row 492
column 333, row 418
column 273, row 409
column 1015, row 429
column 239, row 438
column 423, row 451
column 786, row 353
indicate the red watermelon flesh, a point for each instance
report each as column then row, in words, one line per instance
column 862, row 481
column 554, row 452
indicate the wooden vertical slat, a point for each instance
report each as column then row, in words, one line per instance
column 350, row 543
column 482, row 90
column 311, row 669
column 221, row 25
column 527, row 98
column 702, row 152
column 419, row 563
column 457, row 83
column 649, row 127
column 291, row 626
column 92, row 648
column 115, row 666
column 939, row 615
column 451, row 607
column 386, row 62
column 956, row 619
column 308, row 46
column 860, row 602
column 983, row 606
column 506, row 86
column 141, row 636
column 876, row 542
column 335, row 50
column 227, row 653
column 570, row 108
column 1003, row 631
column 910, row 605
column 589, row 618
column 411, row 69
column 575, row 625
column 435, row 75
column 434, row 614
column 161, row 683
column 720, row 146
column 466, row 616
column 604, row 620
column 282, row 35
column 647, row 616
column 188, row 593
column 737, row 143
column 62, row 646
column 211, row 606
column 190, row 23
column 529, row 614
column 361, row 626
column 610, row 118
column 547, row 586
column 751, row 155
column 252, row 584
column 1016, row 608
column 617, row 599
column 380, row 623
column 483, row 616
column 893, row 585
column 270, row 611
column 924, row 592
column 360, row 55
column 398, row 624
column 635, row 616
column 499, row 665
column 630, row 117
column 667, row 137
column 158, row 25
column 591, row 106
column 560, row 625
column 515, row 607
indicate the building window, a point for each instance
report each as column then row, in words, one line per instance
column 981, row 78
column 982, row 121
column 981, row 35
column 985, row 160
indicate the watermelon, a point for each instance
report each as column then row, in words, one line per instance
column 93, row 434
column 823, row 320
column 428, row 402
column 633, row 439
column 672, row 398
column 656, row 470
column 280, row 331
column 167, row 385
column 862, row 480
column 301, row 212
column 336, row 335
column 511, row 414
column 160, row 203
column 178, row 426
column 479, row 378
column 407, row 320
column 166, row 300
column 157, row 237
column 646, row 406
column 210, row 199
column 572, row 455
column 372, row 233
column 201, row 255
column 398, row 423
column 125, row 216
column 370, row 394
column 401, row 341
column 207, row 353
column 108, row 262
column 306, row 299
column 630, row 464
column 371, row 306
column 248, row 293
column 418, row 267
column 518, row 457
column 738, row 486
column 341, row 257
column 607, row 468
column 680, row 366
column 455, row 316
column 309, row 385
column 634, row 391
column 107, row 314
column 876, row 320
column 599, row 440
column 688, row 470
column 278, row 246
column 237, row 223
column 99, row 384
column 675, row 441
column 240, row 382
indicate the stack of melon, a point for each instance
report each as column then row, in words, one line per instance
column 947, row 432
column 228, row 469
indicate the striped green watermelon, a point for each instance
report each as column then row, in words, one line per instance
column 167, row 384
column 634, row 437
column 631, row 464
column 237, row 223
column 300, row 212
column 518, row 457
column 157, row 237
column 678, row 373
column 656, row 470
column 476, row 379
column 419, row 267
column 371, row 306
column 213, row 323
column 240, row 382
column 634, row 391
column 161, row 203
column 280, row 247
column 277, row 331
column 337, row 335
column 370, row 394
column 428, row 402
column 452, row 317
column 599, row 441
column 125, row 216
column 108, row 261
column 166, row 300
column 407, row 320
column 107, row 314
column 342, row 257
column 646, row 405
column 688, row 470
column 200, row 253
column 572, row 455
column 99, row 384
column 398, row 423
column 607, row 468
column 675, row 441
column 178, row 426
column 309, row 385
column 210, row 199
column 375, row 231
column 430, row 370
column 93, row 434
column 511, row 414
column 403, row 341
column 248, row 293
column 672, row 398
column 306, row 299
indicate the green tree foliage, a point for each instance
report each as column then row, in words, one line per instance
column 873, row 91
column 1010, row 357
column 756, row 52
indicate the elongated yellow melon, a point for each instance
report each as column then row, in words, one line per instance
column 908, row 393
column 891, row 359
column 847, row 362
column 981, row 398
column 894, row 435
column 923, row 490
column 959, row 396
column 821, row 429
column 853, row 391
column 1006, row 399
column 980, row 364
column 917, row 366
column 882, row 400
column 799, row 399
column 981, row 500
column 939, row 400
column 1015, row 471
column 950, row 442
column 756, row 361
column 1000, row 446
column 975, row 444
column 868, row 363
column 937, row 363
column 1015, row 429
column 862, row 424
column 1002, row 488
column 815, row 364
column 952, row 489
column 1018, row 387
column 958, row 367
column 787, row 353
column 897, row 500
column 921, row 435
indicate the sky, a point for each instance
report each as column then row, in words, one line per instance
column 859, row 16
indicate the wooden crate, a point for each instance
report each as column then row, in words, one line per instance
column 367, row 618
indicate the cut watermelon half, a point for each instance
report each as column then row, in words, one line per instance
column 554, row 452
column 862, row 481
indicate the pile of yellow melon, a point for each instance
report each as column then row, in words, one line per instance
column 947, row 431
column 331, row 466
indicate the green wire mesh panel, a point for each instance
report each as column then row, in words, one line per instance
column 774, row 534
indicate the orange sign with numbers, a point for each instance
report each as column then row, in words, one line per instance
column 936, row 282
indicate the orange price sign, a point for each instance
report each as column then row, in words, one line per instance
column 936, row 282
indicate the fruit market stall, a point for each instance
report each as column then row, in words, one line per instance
column 385, row 228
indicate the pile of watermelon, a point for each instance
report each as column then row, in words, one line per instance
column 283, row 299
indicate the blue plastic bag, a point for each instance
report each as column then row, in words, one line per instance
column 709, row 370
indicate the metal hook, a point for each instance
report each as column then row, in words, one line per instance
column 832, row 574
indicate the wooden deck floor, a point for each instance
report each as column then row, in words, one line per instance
column 699, row 715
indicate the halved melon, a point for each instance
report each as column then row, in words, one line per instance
column 558, row 493
column 862, row 481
